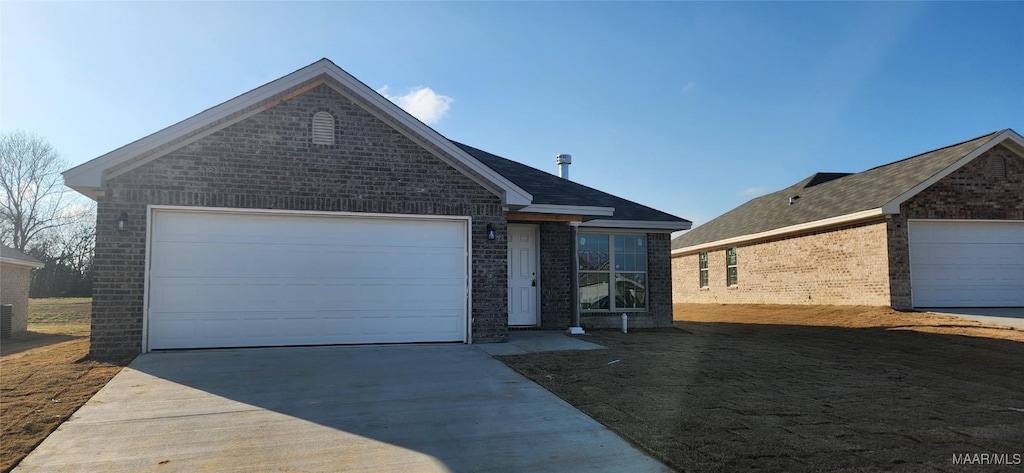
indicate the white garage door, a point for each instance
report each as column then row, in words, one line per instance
column 243, row 279
column 967, row 264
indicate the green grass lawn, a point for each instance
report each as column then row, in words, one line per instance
column 65, row 315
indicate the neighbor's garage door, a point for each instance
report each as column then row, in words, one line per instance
column 242, row 279
column 967, row 264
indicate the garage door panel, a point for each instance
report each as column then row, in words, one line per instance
column 225, row 279
column 293, row 261
column 214, row 295
column 967, row 264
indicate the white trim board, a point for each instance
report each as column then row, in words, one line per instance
column 653, row 226
column 568, row 210
column 89, row 177
column 19, row 262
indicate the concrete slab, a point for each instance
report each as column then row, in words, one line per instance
column 521, row 342
column 433, row 408
column 1008, row 316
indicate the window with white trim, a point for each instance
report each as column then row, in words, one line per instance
column 702, row 265
column 612, row 272
column 323, row 128
column 731, row 276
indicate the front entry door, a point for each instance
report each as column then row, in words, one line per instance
column 523, row 282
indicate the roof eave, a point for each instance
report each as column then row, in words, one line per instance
column 585, row 210
column 21, row 262
column 654, row 225
column 784, row 231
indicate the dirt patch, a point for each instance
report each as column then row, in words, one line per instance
column 813, row 389
column 844, row 316
column 45, row 377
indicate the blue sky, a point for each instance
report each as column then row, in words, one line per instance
column 691, row 108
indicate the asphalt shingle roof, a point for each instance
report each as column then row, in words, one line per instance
column 548, row 188
column 11, row 253
column 826, row 195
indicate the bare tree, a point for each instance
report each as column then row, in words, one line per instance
column 34, row 199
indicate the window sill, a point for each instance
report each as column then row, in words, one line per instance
column 732, row 288
column 705, row 288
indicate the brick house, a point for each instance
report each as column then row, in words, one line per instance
column 312, row 210
column 940, row 229
column 15, row 277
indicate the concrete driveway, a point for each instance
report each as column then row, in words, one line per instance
column 375, row 408
column 1008, row 316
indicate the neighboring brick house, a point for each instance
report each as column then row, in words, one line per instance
column 312, row 210
column 940, row 229
column 15, row 277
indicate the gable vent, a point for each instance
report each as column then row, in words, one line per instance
column 323, row 128
column 997, row 167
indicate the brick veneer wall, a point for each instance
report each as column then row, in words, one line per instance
column 659, row 291
column 268, row 161
column 969, row 193
column 555, row 275
column 14, row 285
column 840, row 266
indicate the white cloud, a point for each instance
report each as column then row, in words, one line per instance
column 689, row 86
column 421, row 102
column 753, row 191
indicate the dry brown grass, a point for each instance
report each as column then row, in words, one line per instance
column 743, row 388
column 45, row 376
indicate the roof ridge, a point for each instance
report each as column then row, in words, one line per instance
column 932, row 151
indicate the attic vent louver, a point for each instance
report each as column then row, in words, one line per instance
column 997, row 167
column 323, row 128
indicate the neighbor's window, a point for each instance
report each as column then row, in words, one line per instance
column 612, row 271
column 702, row 259
column 323, row 128
column 730, row 267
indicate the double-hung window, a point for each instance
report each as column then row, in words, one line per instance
column 612, row 272
column 702, row 263
column 730, row 267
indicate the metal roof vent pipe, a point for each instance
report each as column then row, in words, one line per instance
column 563, row 161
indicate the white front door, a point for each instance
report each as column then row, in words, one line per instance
column 523, row 276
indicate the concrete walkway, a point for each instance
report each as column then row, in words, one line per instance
column 1008, row 316
column 431, row 408
column 521, row 342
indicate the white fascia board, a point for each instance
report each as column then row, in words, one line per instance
column 893, row 206
column 568, row 210
column 802, row 227
column 18, row 262
column 90, row 175
column 637, row 224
